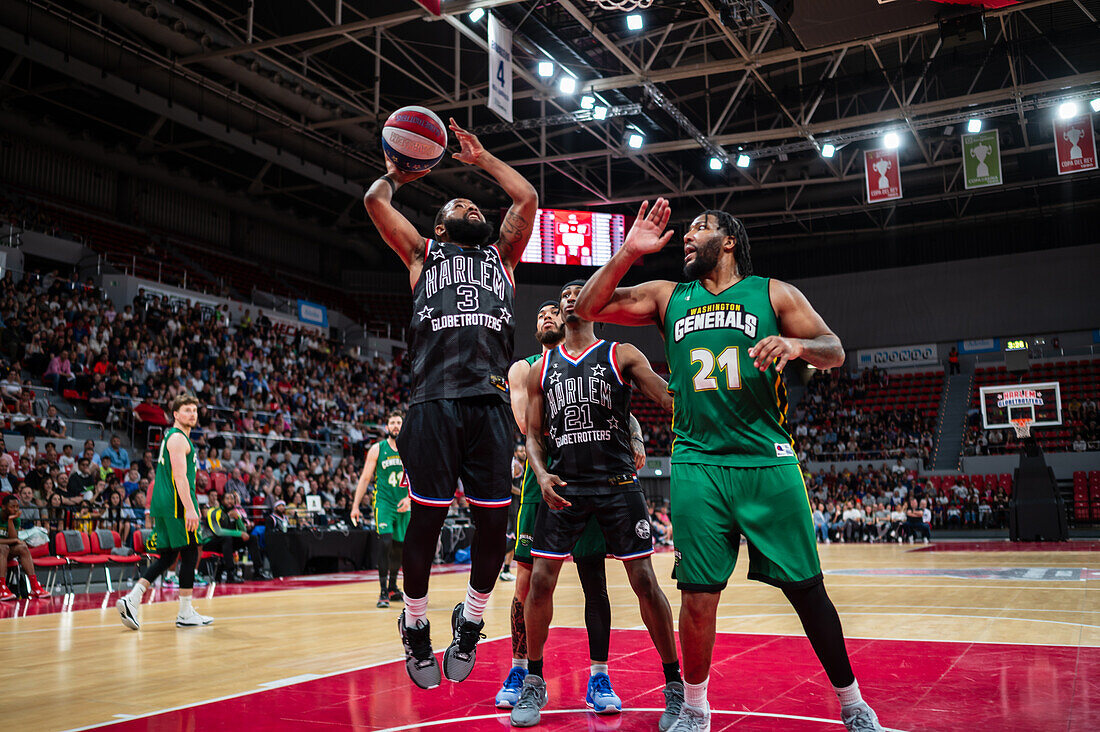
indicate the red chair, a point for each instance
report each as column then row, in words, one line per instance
column 75, row 547
column 42, row 558
column 103, row 541
column 218, row 481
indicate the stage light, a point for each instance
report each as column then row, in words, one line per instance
column 568, row 85
column 974, row 126
column 599, row 112
column 477, row 14
column 891, row 140
column 634, row 22
column 715, row 163
column 1095, row 104
column 635, row 140
column 1067, row 110
column 546, row 69
column 587, row 102
column 743, row 160
column 828, row 150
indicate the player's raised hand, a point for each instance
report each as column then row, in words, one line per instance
column 648, row 234
column 471, row 146
column 401, row 177
column 553, row 500
column 775, row 347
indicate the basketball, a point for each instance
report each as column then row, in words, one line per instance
column 414, row 139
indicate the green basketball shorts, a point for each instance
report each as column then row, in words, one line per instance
column 590, row 543
column 714, row 506
column 388, row 521
column 170, row 532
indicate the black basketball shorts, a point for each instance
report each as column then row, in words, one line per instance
column 445, row 440
column 623, row 519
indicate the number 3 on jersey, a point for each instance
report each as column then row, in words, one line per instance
column 468, row 293
column 727, row 361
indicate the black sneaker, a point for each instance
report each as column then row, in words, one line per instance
column 420, row 662
column 396, row 596
column 458, row 660
column 383, row 601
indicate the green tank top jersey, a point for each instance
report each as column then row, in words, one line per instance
column 727, row 412
column 166, row 502
column 529, row 491
column 388, row 474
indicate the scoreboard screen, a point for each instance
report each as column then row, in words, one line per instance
column 574, row 237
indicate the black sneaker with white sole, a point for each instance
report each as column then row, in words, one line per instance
column 420, row 662
column 458, row 661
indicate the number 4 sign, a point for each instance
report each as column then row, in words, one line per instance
column 500, row 68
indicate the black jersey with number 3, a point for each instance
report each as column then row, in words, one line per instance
column 460, row 338
column 587, row 408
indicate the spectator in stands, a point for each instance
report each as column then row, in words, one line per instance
column 132, row 480
column 29, row 505
column 36, row 477
column 914, row 524
column 236, row 485
column 8, row 481
column 852, row 522
column 66, row 460
column 11, row 388
column 115, row 517
column 99, row 402
column 117, row 453
column 277, row 520
column 821, row 523
column 11, row 546
column 1079, row 443
column 82, row 480
column 59, row 374
column 953, row 361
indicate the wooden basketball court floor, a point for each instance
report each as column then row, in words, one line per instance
column 962, row 636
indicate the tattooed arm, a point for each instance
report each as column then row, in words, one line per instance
column 395, row 229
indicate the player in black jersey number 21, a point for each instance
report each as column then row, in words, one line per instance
column 458, row 425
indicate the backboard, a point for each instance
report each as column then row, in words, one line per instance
column 1042, row 402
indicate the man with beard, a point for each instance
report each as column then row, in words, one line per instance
column 458, row 424
column 728, row 335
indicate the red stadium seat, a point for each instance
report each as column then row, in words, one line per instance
column 75, row 546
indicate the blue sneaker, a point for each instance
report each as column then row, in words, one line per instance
column 513, row 685
column 600, row 698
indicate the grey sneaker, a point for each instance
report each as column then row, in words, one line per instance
column 458, row 660
column 860, row 718
column 526, row 712
column 420, row 662
column 691, row 720
column 674, row 701
column 127, row 609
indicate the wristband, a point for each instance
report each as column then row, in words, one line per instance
column 391, row 181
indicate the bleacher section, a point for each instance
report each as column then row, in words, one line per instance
column 1086, row 495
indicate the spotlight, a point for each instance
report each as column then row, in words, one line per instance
column 599, row 113
column 1095, row 104
column 635, row 140
column 477, row 14
column 891, row 140
column 828, row 150
column 715, row 163
column 974, row 126
column 743, row 160
column 588, row 102
column 634, row 22
column 1067, row 110
column 546, row 69
column 568, row 85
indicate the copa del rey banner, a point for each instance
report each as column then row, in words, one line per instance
column 500, row 68
column 1075, row 144
column 883, row 175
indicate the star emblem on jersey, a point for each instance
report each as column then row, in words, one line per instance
column 425, row 313
column 437, row 254
column 553, row 433
column 555, row 377
column 598, row 370
column 490, row 255
column 505, row 315
column 613, row 423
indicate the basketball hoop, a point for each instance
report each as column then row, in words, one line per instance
column 623, row 5
column 1022, row 425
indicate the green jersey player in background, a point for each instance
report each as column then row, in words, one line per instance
column 383, row 467
column 728, row 334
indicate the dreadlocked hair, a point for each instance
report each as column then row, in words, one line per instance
column 733, row 227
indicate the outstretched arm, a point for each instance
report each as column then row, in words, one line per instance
column 515, row 229
column 804, row 333
column 517, row 392
column 636, row 367
column 602, row 300
column 396, row 230
column 365, row 479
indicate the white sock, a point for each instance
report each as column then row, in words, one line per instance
column 475, row 604
column 185, row 605
column 695, row 695
column 599, row 668
column 849, row 695
column 520, row 663
column 137, row 592
column 416, row 610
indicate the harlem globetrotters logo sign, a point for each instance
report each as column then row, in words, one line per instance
column 1020, row 398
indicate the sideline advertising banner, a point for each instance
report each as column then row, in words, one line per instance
column 898, row 357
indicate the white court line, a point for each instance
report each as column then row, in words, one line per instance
column 330, row 674
column 923, row 615
column 455, row 720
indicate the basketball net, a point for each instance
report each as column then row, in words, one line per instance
column 1022, row 426
column 624, row 5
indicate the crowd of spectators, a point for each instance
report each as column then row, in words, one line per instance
column 883, row 504
column 829, row 426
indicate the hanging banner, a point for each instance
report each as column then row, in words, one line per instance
column 500, row 69
column 1075, row 145
column 883, row 175
column 981, row 160
column 432, row 6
